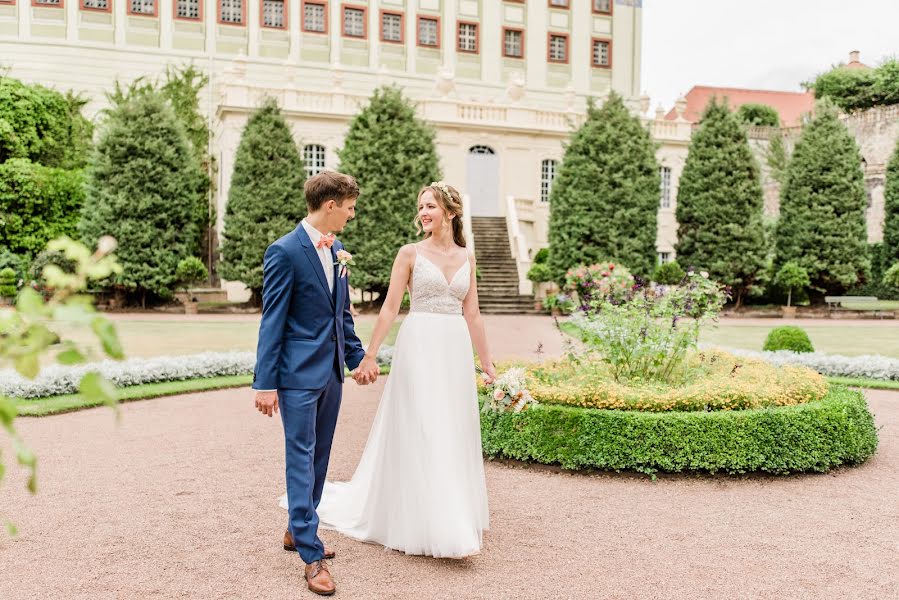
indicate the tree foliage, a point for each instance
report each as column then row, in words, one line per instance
column 719, row 204
column 859, row 89
column 822, row 212
column 392, row 155
column 265, row 200
column 143, row 189
column 37, row 204
column 759, row 115
column 605, row 198
column 181, row 87
column 42, row 125
column 891, row 210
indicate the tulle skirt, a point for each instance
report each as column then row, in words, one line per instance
column 419, row 487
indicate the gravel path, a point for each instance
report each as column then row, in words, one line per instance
column 179, row 500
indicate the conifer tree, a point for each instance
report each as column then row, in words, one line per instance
column 719, row 204
column 890, row 250
column 265, row 200
column 605, row 198
column 142, row 189
column 822, row 211
column 392, row 155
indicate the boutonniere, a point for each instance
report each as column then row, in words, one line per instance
column 344, row 258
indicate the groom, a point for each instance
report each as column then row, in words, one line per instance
column 305, row 338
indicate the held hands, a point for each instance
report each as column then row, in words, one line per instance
column 267, row 402
column 367, row 372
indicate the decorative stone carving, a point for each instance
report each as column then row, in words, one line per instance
column 445, row 83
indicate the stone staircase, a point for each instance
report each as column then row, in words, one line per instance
column 498, row 285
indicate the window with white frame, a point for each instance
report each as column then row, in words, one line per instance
column 392, row 27
column 664, row 257
column 314, row 17
column 547, row 175
column 231, row 11
column 49, row 2
column 353, row 22
column 427, row 32
column 143, row 7
column 273, row 13
column 559, row 3
column 602, row 52
column 314, row 159
column 512, row 43
column 558, row 48
column 665, row 187
column 468, row 37
column 97, row 4
column 480, row 150
column 602, row 6
column 188, row 9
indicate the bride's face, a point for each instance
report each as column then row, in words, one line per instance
column 431, row 213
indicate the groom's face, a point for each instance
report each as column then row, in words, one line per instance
column 340, row 214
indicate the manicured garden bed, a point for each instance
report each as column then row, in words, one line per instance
column 809, row 437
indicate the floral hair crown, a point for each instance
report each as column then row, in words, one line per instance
column 443, row 188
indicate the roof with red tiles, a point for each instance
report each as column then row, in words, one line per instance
column 790, row 105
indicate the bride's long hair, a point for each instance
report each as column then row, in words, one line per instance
column 451, row 204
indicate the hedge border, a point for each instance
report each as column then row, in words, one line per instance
column 812, row 437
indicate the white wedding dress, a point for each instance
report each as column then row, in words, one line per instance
column 419, row 487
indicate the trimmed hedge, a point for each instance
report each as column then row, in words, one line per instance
column 816, row 436
column 788, row 337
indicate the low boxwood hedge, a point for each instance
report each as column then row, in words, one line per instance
column 815, row 436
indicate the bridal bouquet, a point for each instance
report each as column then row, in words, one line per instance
column 508, row 392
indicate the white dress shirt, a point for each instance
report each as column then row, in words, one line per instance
column 324, row 253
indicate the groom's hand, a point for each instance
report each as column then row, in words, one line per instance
column 267, row 402
column 367, row 372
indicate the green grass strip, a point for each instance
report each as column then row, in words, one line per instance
column 862, row 382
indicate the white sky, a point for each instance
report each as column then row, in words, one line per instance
column 763, row 44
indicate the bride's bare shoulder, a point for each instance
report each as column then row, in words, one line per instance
column 406, row 253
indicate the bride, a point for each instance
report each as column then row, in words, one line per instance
column 419, row 487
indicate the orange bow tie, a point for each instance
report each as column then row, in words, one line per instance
column 326, row 241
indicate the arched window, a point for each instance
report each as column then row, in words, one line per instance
column 481, row 150
column 314, row 159
column 547, row 174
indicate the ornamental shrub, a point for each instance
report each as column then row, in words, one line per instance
column 669, row 273
column 539, row 273
column 8, row 280
column 788, row 337
column 605, row 199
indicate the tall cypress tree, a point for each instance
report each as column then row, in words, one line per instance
column 822, row 211
column 605, row 199
column 391, row 154
column 719, row 204
column 265, row 200
column 890, row 251
column 142, row 189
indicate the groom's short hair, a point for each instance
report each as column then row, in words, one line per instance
column 329, row 185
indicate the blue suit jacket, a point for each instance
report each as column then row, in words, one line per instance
column 306, row 332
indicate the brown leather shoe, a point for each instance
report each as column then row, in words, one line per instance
column 318, row 578
column 290, row 547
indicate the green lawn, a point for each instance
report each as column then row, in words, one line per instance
column 851, row 340
column 157, row 338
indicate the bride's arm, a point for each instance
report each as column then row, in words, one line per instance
column 399, row 281
column 472, row 312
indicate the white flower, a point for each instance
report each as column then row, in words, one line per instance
column 705, row 274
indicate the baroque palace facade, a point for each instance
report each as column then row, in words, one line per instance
column 502, row 81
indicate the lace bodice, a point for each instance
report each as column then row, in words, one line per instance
column 430, row 292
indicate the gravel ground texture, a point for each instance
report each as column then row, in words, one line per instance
column 178, row 499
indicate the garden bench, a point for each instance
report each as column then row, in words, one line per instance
column 835, row 302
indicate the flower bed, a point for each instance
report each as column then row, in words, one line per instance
column 717, row 381
column 833, row 365
column 56, row 380
column 814, row 436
